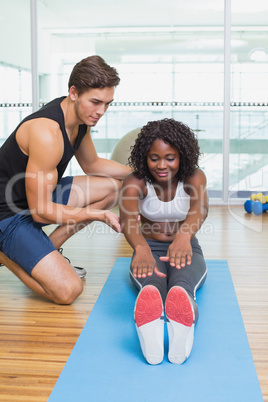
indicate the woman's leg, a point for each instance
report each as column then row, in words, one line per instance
column 149, row 310
column 158, row 249
column 191, row 277
column 181, row 308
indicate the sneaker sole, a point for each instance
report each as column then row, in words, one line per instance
column 180, row 324
column 149, row 324
column 81, row 272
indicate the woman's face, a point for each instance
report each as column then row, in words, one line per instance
column 163, row 161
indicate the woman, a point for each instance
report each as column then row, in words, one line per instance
column 163, row 204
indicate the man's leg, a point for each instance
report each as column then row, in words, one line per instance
column 52, row 277
column 94, row 192
column 28, row 252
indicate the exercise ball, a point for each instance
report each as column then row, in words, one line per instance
column 121, row 150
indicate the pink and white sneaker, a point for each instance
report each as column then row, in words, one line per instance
column 149, row 319
column 182, row 315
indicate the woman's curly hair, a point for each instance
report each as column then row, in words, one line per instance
column 174, row 133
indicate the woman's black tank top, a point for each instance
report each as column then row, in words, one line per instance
column 13, row 161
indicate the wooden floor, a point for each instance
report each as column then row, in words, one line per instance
column 37, row 337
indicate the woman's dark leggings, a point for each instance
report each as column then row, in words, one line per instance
column 191, row 277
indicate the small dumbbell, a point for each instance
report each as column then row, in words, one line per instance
column 255, row 206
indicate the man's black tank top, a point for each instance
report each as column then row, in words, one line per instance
column 13, row 161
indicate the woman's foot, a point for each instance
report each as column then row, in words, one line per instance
column 149, row 319
column 182, row 315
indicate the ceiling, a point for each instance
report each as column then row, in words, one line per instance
column 139, row 13
column 67, row 25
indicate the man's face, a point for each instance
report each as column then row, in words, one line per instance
column 92, row 104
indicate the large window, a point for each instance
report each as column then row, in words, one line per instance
column 165, row 72
column 171, row 64
column 249, row 111
column 15, row 65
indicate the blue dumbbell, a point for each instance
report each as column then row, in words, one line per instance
column 248, row 206
column 255, row 206
column 259, row 208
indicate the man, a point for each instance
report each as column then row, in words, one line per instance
column 33, row 192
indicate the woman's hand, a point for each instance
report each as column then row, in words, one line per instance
column 143, row 264
column 180, row 251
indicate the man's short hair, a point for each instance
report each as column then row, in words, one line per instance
column 93, row 72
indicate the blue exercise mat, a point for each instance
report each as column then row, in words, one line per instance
column 107, row 365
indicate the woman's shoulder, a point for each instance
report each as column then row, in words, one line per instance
column 197, row 180
column 132, row 183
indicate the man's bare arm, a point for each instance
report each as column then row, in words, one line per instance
column 92, row 164
column 45, row 150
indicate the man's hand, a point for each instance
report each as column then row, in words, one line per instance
column 112, row 220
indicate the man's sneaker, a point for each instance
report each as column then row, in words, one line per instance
column 149, row 319
column 182, row 315
column 81, row 272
